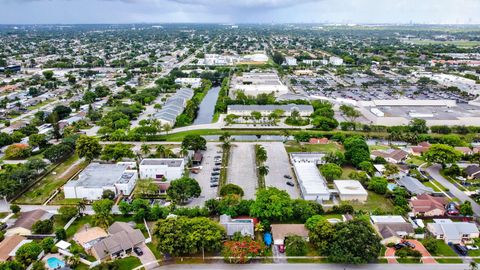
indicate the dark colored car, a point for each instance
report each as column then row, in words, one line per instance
column 138, row 251
column 409, row 244
column 214, row 185
column 216, row 169
column 281, row 248
column 215, row 173
column 462, row 250
column 287, row 176
column 290, row 184
column 400, row 246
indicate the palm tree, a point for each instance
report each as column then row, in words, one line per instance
column 263, row 170
column 226, row 138
column 261, row 153
column 160, row 150
column 73, row 260
column 157, row 125
column 167, row 128
column 145, row 148
column 81, row 206
column 169, row 153
column 184, row 151
column 285, row 134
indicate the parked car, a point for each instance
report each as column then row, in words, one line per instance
column 214, row 185
column 409, row 244
column 218, row 163
column 215, row 173
column 216, row 169
column 290, row 184
column 281, row 248
column 472, row 247
column 287, row 176
column 400, row 246
column 462, row 250
column 138, row 251
column 452, row 209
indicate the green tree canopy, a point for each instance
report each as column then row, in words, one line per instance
column 183, row 189
column 272, row 204
column 442, row 154
column 88, row 147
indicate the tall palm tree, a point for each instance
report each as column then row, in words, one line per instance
column 184, row 151
column 81, row 206
column 261, row 153
column 226, row 138
column 160, row 150
column 263, row 170
column 145, row 148
column 167, row 128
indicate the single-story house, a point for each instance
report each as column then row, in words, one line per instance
column 23, row 225
column 427, row 205
column 472, row 172
column 89, row 236
column 8, row 245
column 453, row 232
column 390, row 155
column 392, row 229
column 413, row 185
column 245, row 226
column 351, row 190
column 281, row 231
column 464, row 150
column 121, row 240
column 419, row 149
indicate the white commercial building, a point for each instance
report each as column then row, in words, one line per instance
column 312, row 184
column 290, row 61
column 351, row 190
column 162, row 168
column 256, row 83
column 189, row 82
column 336, row 61
column 265, row 110
column 96, row 178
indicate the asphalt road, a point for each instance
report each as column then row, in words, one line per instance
column 316, row 267
column 434, row 172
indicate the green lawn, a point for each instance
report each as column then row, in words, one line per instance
column 458, row 43
column 347, row 170
column 128, row 263
column 374, row 201
column 40, row 192
column 295, row 147
column 449, row 260
column 77, row 224
column 444, row 250
column 409, row 260
column 429, row 184
column 415, row 160
column 378, row 147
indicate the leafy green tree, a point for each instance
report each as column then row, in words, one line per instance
column 442, row 154
column 324, row 123
column 67, row 212
column 295, row 246
column 186, row 236
column 194, row 142
column 331, row 171
column 47, row 244
column 11, row 265
column 272, row 204
column 61, row 234
column 321, row 234
column 183, row 189
column 231, row 189
column 88, row 147
column 356, row 150
column 418, row 126
column 103, row 212
column 28, row 253
column 59, row 152
column 48, row 74
column 354, row 242
column 278, row 58
column 466, row 209
column 117, row 151
column 378, row 185
column 42, row 227
column 390, row 169
column 351, row 113
column 303, row 209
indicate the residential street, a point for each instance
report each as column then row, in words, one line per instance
column 434, row 172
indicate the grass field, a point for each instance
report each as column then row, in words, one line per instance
column 374, row 201
column 40, row 192
column 39, row 105
column 296, row 147
column 444, row 250
column 458, row 43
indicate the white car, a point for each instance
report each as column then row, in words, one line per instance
column 472, row 247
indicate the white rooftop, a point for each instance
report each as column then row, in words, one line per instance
column 310, row 178
column 387, row 219
column 350, row 187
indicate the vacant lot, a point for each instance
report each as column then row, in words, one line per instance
column 242, row 168
column 297, row 147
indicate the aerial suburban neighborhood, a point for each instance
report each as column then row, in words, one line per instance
column 147, row 146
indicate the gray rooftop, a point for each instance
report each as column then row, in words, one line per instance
column 413, row 185
column 170, row 162
column 286, row 108
column 100, row 175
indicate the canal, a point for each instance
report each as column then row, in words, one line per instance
column 207, row 107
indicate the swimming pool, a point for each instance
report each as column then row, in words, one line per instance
column 391, row 186
column 54, row 263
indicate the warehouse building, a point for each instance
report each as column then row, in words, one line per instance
column 312, row 184
column 189, row 82
column 350, row 190
column 96, row 178
column 256, row 83
column 161, row 168
column 265, row 110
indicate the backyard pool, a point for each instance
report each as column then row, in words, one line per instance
column 55, row 263
column 391, row 186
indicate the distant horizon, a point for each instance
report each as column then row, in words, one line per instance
column 246, row 23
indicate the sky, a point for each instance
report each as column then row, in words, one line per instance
column 239, row 11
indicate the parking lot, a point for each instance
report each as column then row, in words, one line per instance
column 241, row 168
column 203, row 177
column 279, row 166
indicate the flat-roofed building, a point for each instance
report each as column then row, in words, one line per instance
column 173, row 107
column 265, row 110
column 350, row 190
column 191, row 82
column 96, row 178
column 256, row 83
column 161, row 168
column 312, row 184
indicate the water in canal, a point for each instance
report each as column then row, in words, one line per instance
column 207, row 107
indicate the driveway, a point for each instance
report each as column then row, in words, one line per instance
column 242, row 168
column 434, row 172
column 390, row 255
column 147, row 257
column 426, row 257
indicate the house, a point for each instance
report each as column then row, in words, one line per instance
column 23, row 225
column 8, row 245
column 281, row 231
column 161, row 168
column 173, row 107
column 89, row 237
column 419, row 149
column 120, row 178
column 318, row 141
column 466, row 151
column 413, row 185
column 453, row 232
column 391, row 155
column 243, row 226
column 427, row 205
column 392, row 229
column 351, row 190
column 121, row 241
column 472, row 172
